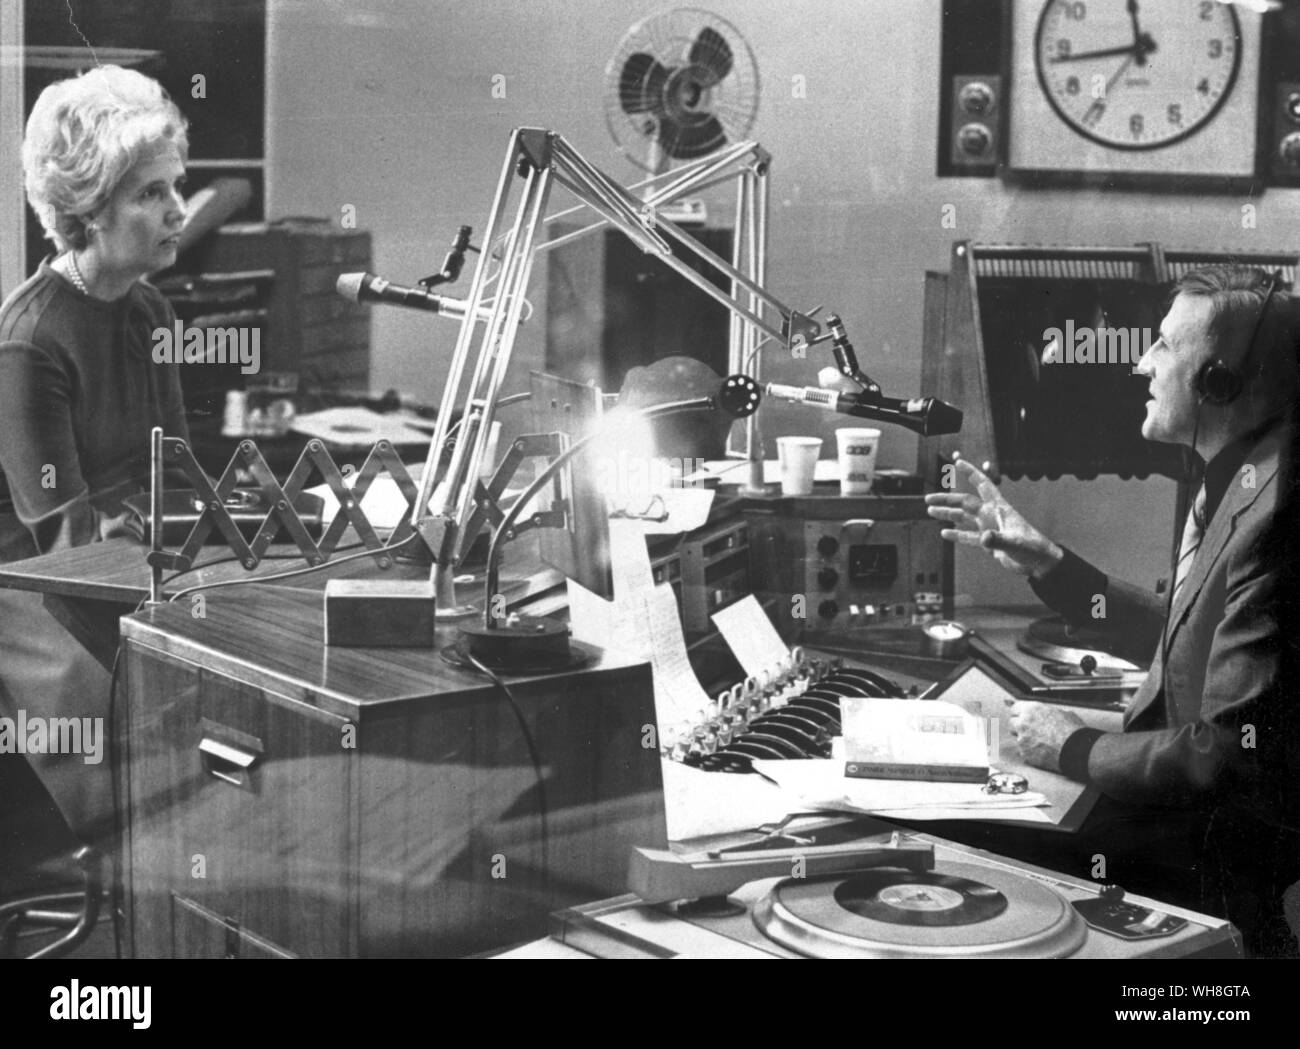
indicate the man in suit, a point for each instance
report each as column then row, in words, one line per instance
column 1197, row 802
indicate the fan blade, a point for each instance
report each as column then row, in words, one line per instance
column 685, row 143
column 640, row 84
column 712, row 53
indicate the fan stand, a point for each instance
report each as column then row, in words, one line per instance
column 686, row 211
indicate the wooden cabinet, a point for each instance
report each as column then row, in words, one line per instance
column 286, row 799
column 311, row 329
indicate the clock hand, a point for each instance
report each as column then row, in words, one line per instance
column 1106, row 52
column 1118, row 73
column 1145, row 46
column 1142, row 42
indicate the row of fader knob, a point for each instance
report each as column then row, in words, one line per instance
column 790, row 714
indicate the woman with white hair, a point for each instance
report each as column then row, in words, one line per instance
column 104, row 161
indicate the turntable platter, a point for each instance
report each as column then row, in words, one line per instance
column 957, row 911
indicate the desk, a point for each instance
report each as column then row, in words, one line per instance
column 89, row 588
column 285, row 799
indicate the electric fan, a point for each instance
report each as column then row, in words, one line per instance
column 682, row 84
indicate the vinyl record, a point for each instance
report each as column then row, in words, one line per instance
column 907, row 898
column 1013, row 916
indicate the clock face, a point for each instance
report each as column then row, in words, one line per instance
column 1136, row 75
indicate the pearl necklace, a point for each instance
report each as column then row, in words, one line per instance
column 74, row 271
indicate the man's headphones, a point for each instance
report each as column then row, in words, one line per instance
column 1218, row 383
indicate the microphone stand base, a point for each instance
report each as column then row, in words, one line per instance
column 520, row 643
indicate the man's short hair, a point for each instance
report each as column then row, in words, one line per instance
column 1268, row 366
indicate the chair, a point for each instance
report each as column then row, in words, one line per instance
column 76, row 911
column 35, row 838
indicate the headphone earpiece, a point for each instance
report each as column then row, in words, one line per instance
column 1218, row 384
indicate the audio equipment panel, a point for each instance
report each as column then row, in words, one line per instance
column 851, row 563
column 715, row 572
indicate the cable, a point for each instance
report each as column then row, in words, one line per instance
column 297, row 571
column 537, row 769
column 119, row 839
column 232, row 558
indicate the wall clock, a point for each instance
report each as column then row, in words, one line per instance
column 1136, row 89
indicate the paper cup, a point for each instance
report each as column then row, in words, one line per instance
column 798, row 457
column 857, row 451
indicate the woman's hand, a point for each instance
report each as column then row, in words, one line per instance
column 985, row 519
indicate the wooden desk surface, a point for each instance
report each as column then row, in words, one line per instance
column 271, row 638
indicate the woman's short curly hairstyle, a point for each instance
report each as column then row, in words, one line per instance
column 83, row 136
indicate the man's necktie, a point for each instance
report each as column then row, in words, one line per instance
column 1193, row 532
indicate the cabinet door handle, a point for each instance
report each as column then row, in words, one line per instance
column 226, row 762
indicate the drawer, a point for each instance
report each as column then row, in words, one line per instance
column 241, row 801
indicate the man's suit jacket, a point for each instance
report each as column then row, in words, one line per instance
column 1209, row 724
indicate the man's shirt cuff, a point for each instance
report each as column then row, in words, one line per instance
column 1075, row 751
column 1071, row 588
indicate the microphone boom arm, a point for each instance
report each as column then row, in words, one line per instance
column 539, row 159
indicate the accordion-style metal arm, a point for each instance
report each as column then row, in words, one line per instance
column 175, row 453
column 539, row 159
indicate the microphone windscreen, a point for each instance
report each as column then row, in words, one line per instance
column 941, row 417
column 349, row 286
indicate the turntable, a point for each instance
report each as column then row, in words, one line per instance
column 830, row 892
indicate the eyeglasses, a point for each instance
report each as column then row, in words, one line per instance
column 655, row 510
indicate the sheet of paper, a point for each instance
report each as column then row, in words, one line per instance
column 629, row 560
column 700, row 803
column 595, row 621
column 750, row 635
column 686, row 510
column 679, row 697
column 642, row 620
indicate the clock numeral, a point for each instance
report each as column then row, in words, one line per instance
column 1135, row 124
column 1072, row 85
column 1175, row 113
column 1216, row 48
column 1094, row 114
column 1207, row 10
column 1062, row 47
column 1076, row 11
column 1204, row 86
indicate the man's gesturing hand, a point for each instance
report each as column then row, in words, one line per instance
column 983, row 518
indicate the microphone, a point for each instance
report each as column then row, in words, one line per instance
column 927, row 416
column 366, row 287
